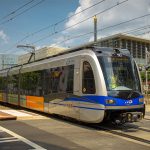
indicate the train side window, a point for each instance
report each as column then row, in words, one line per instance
column 12, row 84
column 88, row 83
column 62, row 79
column 31, row 83
column 70, row 79
column 3, row 81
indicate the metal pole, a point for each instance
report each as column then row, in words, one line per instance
column 95, row 28
column 34, row 52
column 146, row 74
column 3, row 61
column 146, row 64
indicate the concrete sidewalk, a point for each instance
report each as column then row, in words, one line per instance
column 6, row 116
column 148, row 108
column 8, row 113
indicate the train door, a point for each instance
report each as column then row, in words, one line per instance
column 88, row 107
column 76, row 91
column 74, row 83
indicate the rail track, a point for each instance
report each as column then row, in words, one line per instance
column 132, row 133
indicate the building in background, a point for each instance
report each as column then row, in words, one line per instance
column 8, row 60
column 40, row 54
column 134, row 44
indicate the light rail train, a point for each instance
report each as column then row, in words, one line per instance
column 90, row 84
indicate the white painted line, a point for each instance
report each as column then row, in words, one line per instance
column 34, row 145
column 15, row 113
column 6, row 141
column 7, row 138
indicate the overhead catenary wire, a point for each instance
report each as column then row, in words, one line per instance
column 53, row 25
column 136, row 18
column 66, row 29
column 56, row 32
column 127, row 21
column 112, row 27
column 85, row 34
column 145, row 32
column 81, row 35
column 106, row 27
column 16, row 10
column 64, row 19
column 101, row 29
column 49, row 35
column 148, row 32
column 88, row 33
column 138, row 29
column 12, row 18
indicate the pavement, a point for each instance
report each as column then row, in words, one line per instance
column 5, row 116
column 7, row 113
column 148, row 108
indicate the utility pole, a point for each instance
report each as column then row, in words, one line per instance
column 147, row 54
column 95, row 29
column 146, row 69
column 2, row 61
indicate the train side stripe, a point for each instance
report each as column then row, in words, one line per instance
column 92, row 108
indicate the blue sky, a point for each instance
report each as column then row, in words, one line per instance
column 46, row 13
column 52, row 11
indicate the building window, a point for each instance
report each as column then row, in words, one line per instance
column 88, row 83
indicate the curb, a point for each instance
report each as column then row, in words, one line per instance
column 5, row 116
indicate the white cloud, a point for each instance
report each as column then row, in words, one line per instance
column 3, row 37
column 124, row 12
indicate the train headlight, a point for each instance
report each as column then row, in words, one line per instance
column 110, row 101
column 141, row 100
column 129, row 117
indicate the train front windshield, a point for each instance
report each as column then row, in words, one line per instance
column 120, row 74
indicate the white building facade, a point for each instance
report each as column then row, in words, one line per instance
column 8, row 60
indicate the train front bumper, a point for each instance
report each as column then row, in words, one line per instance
column 124, row 114
column 129, row 117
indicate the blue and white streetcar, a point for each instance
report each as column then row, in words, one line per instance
column 90, row 84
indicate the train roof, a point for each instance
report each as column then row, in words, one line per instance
column 94, row 48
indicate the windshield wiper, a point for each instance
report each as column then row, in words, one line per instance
column 136, row 94
column 130, row 94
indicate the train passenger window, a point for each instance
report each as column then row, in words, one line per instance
column 70, row 79
column 59, row 80
column 3, row 81
column 88, row 83
column 48, row 81
column 31, row 83
column 12, row 84
column 62, row 79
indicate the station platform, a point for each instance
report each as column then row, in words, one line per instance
column 5, row 116
column 148, row 108
column 7, row 113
